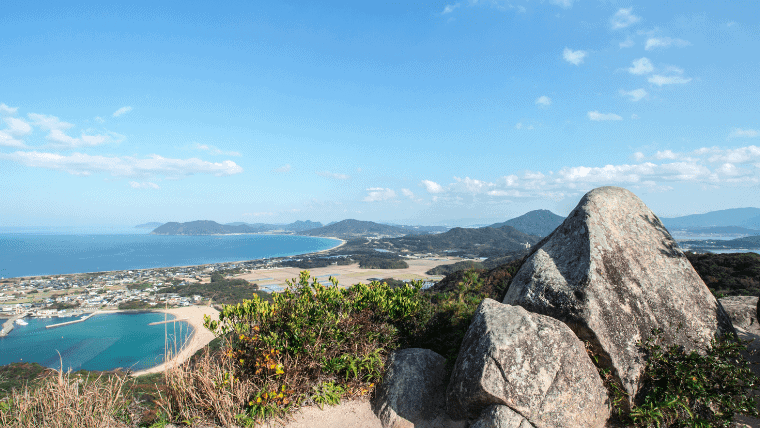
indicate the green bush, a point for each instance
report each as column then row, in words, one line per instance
column 686, row 389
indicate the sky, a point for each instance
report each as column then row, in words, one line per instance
column 401, row 112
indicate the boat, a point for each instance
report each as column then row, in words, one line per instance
column 21, row 322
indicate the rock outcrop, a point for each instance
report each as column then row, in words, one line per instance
column 531, row 363
column 498, row 416
column 412, row 394
column 741, row 309
column 613, row 273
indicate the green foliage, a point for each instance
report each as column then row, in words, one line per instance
column 139, row 285
column 736, row 274
column 313, row 336
column 455, row 267
column 381, row 263
column 226, row 291
column 327, row 393
column 683, row 389
column 135, row 304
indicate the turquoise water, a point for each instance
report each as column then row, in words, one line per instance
column 103, row 342
column 31, row 254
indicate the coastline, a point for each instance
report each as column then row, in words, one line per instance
column 342, row 242
column 200, row 337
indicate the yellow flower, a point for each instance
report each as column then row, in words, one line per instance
column 279, row 395
column 258, row 400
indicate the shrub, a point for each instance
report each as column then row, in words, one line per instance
column 683, row 389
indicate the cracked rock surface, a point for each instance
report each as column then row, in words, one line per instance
column 532, row 364
column 613, row 273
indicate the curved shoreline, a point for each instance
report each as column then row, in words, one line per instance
column 342, row 242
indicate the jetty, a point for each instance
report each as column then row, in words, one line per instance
column 84, row 318
column 168, row 321
column 8, row 325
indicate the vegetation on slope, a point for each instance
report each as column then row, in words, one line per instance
column 220, row 289
column 736, row 274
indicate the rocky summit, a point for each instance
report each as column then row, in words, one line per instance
column 612, row 273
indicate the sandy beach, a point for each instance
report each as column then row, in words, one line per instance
column 200, row 338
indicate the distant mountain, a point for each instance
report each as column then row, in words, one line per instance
column 296, row 226
column 538, row 222
column 151, row 225
column 201, row 227
column 300, row 226
column 351, row 228
column 721, row 230
column 744, row 217
column 419, row 230
column 483, row 241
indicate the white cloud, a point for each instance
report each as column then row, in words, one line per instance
column 336, row 176
column 154, row 165
column 214, row 150
column 667, row 154
column 627, row 43
column 730, row 24
column 664, row 42
column 660, row 80
column 263, row 213
column 543, row 101
column 641, row 66
column 143, row 185
column 450, row 8
column 639, row 156
column 379, row 194
column 59, row 140
column 5, row 110
column 565, row 4
column 408, row 193
column 432, row 186
column 623, row 18
column 634, row 116
column 16, row 127
column 121, row 111
column 519, row 125
column 595, row 115
column 99, row 119
column 574, row 57
column 284, row 168
column 6, row 140
column 635, row 95
column 471, row 185
column 743, row 133
column 48, row 122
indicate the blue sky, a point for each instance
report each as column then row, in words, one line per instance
column 409, row 112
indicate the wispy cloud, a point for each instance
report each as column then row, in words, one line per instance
column 641, row 66
column 121, row 111
column 283, row 169
column 743, row 133
column 543, row 101
column 261, row 214
column 408, row 193
column 376, row 194
column 213, row 150
column 333, row 175
column 574, row 57
column 48, row 122
column 596, row 116
column 432, row 186
column 450, row 8
column 99, row 119
column 143, row 185
column 627, row 43
column 565, row 4
column 664, row 42
column 5, row 110
column 126, row 166
column 623, row 18
column 59, row 140
column 634, row 95
column 16, row 127
column 519, row 125
column 660, row 80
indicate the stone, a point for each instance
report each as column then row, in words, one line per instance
column 412, row 394
column 532, row 364
column 498, row 416
column 742, row 310
column 613, row 273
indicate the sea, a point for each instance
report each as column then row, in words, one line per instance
column 102, row 342
column 33, row 252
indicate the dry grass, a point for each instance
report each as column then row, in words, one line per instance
column 206, row 389
column 69, row 401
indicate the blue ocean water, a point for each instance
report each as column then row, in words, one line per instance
column 102, row 342
column 31, row 254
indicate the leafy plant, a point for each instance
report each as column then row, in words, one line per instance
column 686, row 389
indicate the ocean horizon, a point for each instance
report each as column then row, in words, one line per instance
column 40, row 253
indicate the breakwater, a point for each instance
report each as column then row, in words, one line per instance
column 84, row 318
column 168, row 321
column 8, row 325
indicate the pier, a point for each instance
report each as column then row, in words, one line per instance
column 168, row 321
column 85, row 318
column 8, row 325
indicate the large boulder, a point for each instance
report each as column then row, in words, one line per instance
column 531, row 363
column 498, row 416
column 741, row 309
column 412, row 394
column 613, row 273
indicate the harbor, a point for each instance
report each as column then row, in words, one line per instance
column 8, row 324
column 168, row 321
column 84, row 318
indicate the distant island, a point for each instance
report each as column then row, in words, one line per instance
column 208, row 227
